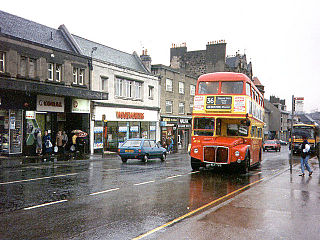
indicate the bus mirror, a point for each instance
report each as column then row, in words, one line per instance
column 248, row 122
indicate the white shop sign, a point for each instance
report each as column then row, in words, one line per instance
column 80, row 106
column 50, row 104
column 30, row 115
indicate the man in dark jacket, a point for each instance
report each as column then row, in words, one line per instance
column 305, row 155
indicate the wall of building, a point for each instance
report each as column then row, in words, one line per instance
column 110, row 72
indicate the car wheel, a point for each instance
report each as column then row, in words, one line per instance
column 264, row 150
column 145, row 158
column 124, row 160
column 163, row 157
column 279, row 149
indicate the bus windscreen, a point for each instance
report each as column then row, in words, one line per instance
column 208, row 87
column 231, row 87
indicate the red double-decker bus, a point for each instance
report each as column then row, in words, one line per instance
column 227, row 122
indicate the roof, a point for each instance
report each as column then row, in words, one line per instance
column 256, row 81
column 21, row 28
column 110, row 55
column 232, row 62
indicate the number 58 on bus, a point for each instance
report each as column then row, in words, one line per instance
column 227, row 122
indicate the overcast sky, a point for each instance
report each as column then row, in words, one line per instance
column 281, row 38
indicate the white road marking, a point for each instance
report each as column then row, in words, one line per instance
column 137, row 184
column 35, row 179
column 193, row 172
column 105, row 191
column 174, row 176
column 45, row 204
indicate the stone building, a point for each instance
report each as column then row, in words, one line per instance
column 284, row 114
column 177, row 90
column 132, row 109
column 44, row 79
column 196, row 63
column 212, row 59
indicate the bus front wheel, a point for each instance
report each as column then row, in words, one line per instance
column 195, row 164
column 245, row 164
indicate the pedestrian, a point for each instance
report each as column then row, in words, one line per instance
column 305, row 155
column 47, row 144
column 38, row 142
column 59, row 142
column 64, row 141
column 168, row 142
column 73, row 147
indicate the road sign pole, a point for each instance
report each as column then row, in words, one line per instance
column 291, row 136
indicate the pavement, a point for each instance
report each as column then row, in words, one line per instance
column 281, row 206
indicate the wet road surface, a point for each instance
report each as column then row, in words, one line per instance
column 105, row 199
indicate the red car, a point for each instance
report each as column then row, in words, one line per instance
column 271, row 145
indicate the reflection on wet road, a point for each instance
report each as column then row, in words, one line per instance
column 105, row 199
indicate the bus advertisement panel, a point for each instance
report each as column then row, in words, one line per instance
column 227, row 122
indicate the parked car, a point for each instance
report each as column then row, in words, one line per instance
column 283, row 142
column 271, row 145
column 140, row 148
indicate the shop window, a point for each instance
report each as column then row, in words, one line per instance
column 181, row 87
column 168, row 85
column 168, row 106
column 152, row 132
column 151, row 92
column 2, row 62
column 192, row 90
column 181, row 108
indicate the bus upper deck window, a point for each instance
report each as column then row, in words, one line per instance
column 208, row 87
column 232, row 87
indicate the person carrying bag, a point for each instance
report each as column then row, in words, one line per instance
column 305, row 155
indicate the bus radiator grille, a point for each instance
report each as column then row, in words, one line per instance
column 216, row 154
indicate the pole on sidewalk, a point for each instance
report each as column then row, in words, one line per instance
column 291, row 136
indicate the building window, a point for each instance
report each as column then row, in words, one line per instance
column 23, row 66
column 50, row 71
column 181, row 87
column 168, row 106
column 128, row 88
column 58, row 72
column 181, row 108
column 138, row 90
column 2, row 62
column 191, row 107
column 75, row 75
column 192, row 90
column 104, row 84
column 81, row 76
column 168, row 85
column 151, row 92
column 32, row 68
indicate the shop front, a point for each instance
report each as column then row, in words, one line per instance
column 112, row 126
column 178, row 129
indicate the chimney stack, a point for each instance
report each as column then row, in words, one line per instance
column 146, row 60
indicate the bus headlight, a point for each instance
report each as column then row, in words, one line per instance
column 236, row 153
column 195, row 150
